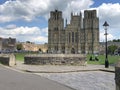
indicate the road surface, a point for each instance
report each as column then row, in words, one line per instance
column 14, row 80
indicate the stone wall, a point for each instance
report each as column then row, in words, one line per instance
column 7, row 59
column 117, row 75
column 55, row 59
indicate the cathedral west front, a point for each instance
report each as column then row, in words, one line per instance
column 81, row 35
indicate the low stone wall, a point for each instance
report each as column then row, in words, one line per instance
column 55, row 59
column 117, row 75
column 7, row 59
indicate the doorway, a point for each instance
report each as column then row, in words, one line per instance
column 73, row 51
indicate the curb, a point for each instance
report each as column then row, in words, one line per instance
column 68, row 71
column 111, row 71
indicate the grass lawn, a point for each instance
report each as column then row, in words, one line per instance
column 111, row 59
column 20, row 56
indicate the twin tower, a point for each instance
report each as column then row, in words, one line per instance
column 80, row 36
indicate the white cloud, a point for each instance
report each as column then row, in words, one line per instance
column 109, row 36
column 29, row 10
column 40, row 39
column 33, row 34
column 110, row 13
column 11, row 26
column 45, row 31
column 76, row 6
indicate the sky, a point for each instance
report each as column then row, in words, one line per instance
column 27, row 20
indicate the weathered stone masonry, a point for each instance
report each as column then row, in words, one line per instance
column 80, row 36
column 7, row 59
column 55, row 59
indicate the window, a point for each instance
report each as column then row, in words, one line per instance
column 69, row 37
column 56, row 28
column 56, row 48
column 72, row 37
column 76, row 37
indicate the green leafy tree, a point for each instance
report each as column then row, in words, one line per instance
column 119, row 51
column 40, row 50
column 111, row 49
column 116, row 40
column 28, row 42
column 19, row 46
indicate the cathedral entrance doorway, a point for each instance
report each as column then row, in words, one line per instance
column 73, row 51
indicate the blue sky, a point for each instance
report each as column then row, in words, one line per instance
column 99, row 2
column 27, row 20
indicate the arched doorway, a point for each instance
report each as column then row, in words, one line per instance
column 73, row 51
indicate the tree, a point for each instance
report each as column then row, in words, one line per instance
column 40, row 50
column 19, row 46
column 116, row 40
column 119, row 51
column 28, row 42
column 111, row 49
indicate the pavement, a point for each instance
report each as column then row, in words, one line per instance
column 90, row 77
column 92, row 80
column 61, row 68
column 16, row 80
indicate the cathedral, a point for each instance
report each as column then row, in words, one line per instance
column 80, row 36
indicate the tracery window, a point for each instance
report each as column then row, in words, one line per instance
column 69, row 37
column 72, row 37
column 76, row 37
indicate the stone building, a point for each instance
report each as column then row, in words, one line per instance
column 7, row 44
column 80, row 36
column 34, row 47
column 109, row 43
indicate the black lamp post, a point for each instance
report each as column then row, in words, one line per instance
column 105, row 25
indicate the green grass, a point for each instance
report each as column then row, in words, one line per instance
column 20, row 56
column 111, row 59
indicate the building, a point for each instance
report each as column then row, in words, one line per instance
column 80, row 36
column 34, row 47
column 109, row 43
column 7, row 44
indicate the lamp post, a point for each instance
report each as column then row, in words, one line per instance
column 105, row 25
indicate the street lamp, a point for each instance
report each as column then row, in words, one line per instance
column 105, row 25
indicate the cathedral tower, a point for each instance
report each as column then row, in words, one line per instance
column 72, row 34
column 80, row 36
column 91, row 28
column 55, row 32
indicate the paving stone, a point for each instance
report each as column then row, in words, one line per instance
column 92, row 80
column 88, row 78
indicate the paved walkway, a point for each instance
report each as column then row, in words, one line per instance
column 61, row 68
column 92, row 80
column 90, row 77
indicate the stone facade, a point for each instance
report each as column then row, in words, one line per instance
column 80, row 36
column 34, row 47
column 7, row 44
column 117, row 76
column 55, row 59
